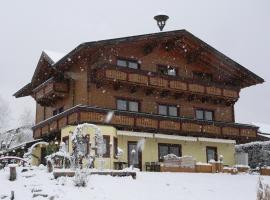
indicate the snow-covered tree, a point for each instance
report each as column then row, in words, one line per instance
column 4, row 113
column 258, row 153
column 27, row 117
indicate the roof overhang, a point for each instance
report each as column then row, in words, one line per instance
column 174, row 137
column 24, row 91
column 245, row 76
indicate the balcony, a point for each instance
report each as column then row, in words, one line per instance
column 48, row 92
column 147, row 122
column 176, row 85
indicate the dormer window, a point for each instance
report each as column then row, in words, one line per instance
column 202, row 76
column 166, row 70
column 128, row 63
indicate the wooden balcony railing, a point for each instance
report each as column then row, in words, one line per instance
column 154, row 80
column 146, row 122
column 49, row 91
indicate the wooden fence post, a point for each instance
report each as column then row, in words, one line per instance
column 13, row 173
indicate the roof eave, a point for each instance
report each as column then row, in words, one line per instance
column 24, row 91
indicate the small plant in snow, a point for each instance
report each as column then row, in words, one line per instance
column 80, row 178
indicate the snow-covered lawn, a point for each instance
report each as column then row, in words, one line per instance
column 148, row 186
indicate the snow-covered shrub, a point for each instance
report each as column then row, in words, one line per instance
column 15, row 137
column 258, row 153
column 60, row 159
column 80, row 178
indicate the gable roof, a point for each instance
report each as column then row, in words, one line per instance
column 53, row 55
column 57, row 60
column 244, row 72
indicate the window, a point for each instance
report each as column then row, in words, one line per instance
column 211, row 153
column 165, row 149
column 128, row 105
column 166, row 70
column 115, row 147
column 133, row 106
column 128, row 63
column 202, row 76
column 55, row 112
column 167, row 110
column 66, row 141
column 121, row 104
column 58, row 111
column 204, row 115
column 106, row 139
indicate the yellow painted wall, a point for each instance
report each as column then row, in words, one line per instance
column 150, row 152
column 195, row 149
column 37, row 155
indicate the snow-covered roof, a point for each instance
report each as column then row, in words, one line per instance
column 54, row 56
column 135, row 134
column 263, row 128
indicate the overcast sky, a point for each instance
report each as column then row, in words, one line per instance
column 239, row 29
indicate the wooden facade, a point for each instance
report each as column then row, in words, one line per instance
column 91, row 82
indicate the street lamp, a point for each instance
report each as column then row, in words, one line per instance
column 161, row 21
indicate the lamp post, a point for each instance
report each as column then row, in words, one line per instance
column 161, row 21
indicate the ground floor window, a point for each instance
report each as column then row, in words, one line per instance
column 115, row 147
column 211, row 153
column 165, row 149
column 106, row 139
column 66, row 141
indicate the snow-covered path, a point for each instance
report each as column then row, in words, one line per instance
column 148, row 186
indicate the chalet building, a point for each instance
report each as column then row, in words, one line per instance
column 170, row 89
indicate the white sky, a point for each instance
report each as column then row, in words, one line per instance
column 240, row 29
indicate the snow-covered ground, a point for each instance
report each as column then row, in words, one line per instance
column 148, row 186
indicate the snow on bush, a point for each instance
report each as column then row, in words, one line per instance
column 258, row 153
column 15, row 137
column 60, row 155
column 80, row 178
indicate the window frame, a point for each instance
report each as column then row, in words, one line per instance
column 66, row 139
column 127, row 100
column 169, row 152
column 167, row 109
column 128, row 60
column 58, row 110
column 115, row 147
column 204, row 111
column 202, row 76
column 160, row 66
column 211, row 148
column 108, row 150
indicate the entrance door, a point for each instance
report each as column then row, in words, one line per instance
column 132, row 146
